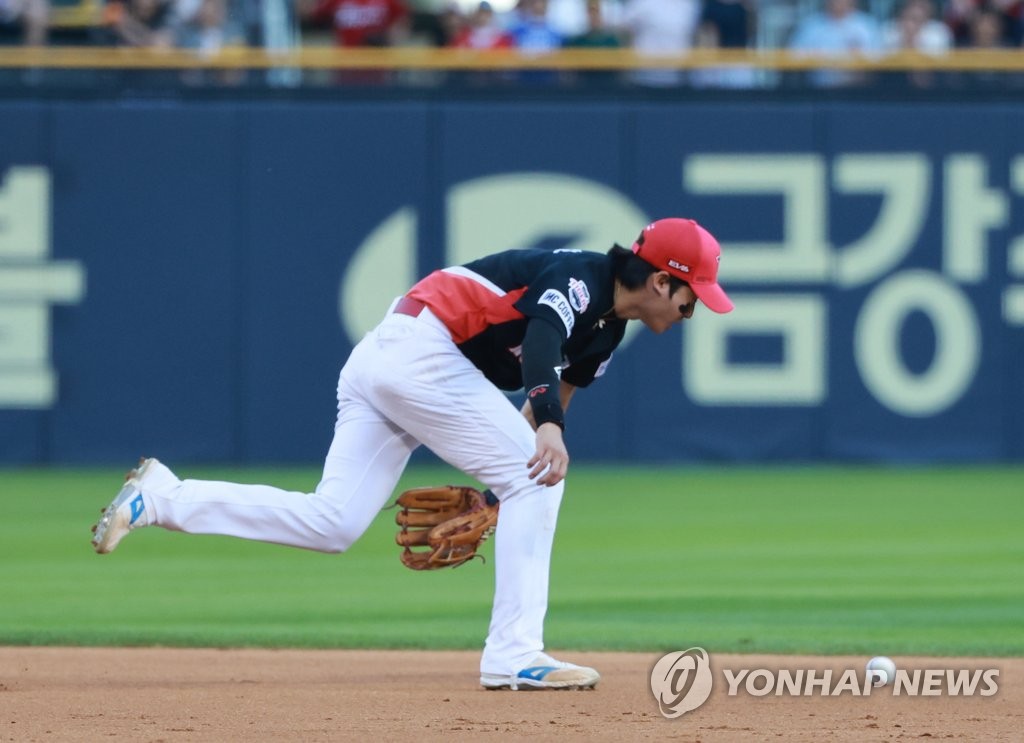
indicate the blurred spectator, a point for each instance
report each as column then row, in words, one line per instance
column 960, row 16
column 1011, row 13
column 483, row 31
column 142, row 23
column 597, row 33
column 271, row 24
column 572, row 17
column 250, row 16
column 568, row 17
column 660, row 27
column 533, row 35
column 431, row 21
column 840, row 31
column 986, row 30
column 200, row 24
column 363, row 22
column 915, row 28
column 532, row 32
column 268, row 24
column 725, row 24
column 453, row 22
column 25, row 19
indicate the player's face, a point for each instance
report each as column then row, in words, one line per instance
column 668, row 307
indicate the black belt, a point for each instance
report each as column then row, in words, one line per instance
column 409, row 306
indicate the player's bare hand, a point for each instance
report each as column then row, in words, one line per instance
column 551, row 456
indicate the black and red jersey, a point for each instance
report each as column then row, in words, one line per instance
column 489, row 304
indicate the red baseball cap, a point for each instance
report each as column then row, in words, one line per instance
column 689, row 252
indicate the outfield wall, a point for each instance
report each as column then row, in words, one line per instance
column 185, row 278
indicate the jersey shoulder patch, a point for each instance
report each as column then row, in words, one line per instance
column 556, row 300
column 579, row 295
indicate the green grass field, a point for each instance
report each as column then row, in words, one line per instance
column 810, row 560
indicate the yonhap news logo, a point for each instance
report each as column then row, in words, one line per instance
column 682, row 681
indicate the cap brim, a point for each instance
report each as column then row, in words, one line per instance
column 714, row 297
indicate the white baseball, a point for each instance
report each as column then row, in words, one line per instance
column 884, row 668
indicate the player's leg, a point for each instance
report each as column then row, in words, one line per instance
column 366, row 458
column 452, row 409
column 361, row 470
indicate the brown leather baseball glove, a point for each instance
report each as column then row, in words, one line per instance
column 449, row 522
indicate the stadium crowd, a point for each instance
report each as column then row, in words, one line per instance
column 833, row 27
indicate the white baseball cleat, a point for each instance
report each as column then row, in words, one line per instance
column 544, row 673
column 126, row 512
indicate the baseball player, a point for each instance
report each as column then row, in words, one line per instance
column 432, row 373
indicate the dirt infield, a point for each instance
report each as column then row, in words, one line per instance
column 165, row 694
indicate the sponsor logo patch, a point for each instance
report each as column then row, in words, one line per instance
column 579, row 295
column 556, row 300
column 679, row 266
column 540, row 389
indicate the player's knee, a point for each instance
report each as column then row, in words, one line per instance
column 336, row 536
column 335, row 542
column 524, row 487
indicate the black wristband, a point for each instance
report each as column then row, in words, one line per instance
column 548, row 412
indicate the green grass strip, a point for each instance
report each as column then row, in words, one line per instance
column 792, row 560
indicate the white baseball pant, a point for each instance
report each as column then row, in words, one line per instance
column 406, row 383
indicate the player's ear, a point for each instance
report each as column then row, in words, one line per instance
column 660, row 283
